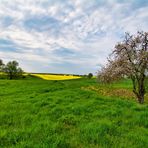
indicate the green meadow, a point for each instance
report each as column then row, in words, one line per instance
column 78, row 113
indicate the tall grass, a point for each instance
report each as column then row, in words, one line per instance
column 40, row 113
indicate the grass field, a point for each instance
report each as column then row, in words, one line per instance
column 71, row 114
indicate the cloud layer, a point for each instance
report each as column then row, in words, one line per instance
column 66, row 36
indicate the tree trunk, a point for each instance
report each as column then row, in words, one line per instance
column 139, row 89
column 141, row 99
column 10, row 76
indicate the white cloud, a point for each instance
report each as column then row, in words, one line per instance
column 89, row 28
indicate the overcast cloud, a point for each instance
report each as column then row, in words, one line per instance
column 66, row 36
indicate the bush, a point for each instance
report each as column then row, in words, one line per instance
column 90, row 75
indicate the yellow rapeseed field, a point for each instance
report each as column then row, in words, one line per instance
column 56, row 77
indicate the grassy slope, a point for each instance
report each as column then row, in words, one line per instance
column 39, row 113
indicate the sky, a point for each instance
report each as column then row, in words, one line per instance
column 66, row 36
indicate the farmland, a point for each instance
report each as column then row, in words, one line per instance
column 55, row 77
column 71, row 113
column 74, row 74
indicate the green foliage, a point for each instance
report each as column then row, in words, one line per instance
column 1, row 65
column 40, row 113
column 12, row 70
column 1, row 62
column 90, row 75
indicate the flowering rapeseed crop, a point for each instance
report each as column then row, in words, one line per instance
column 56, row 77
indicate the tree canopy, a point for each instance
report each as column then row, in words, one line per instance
column 129, row 58
column 11, row 69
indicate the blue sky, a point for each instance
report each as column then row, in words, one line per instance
column 66, row 36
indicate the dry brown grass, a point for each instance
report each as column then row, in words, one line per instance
column 114, row 92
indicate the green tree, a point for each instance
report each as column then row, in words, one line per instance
column 1, row 65
column 12, row 70
column 90, row 75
